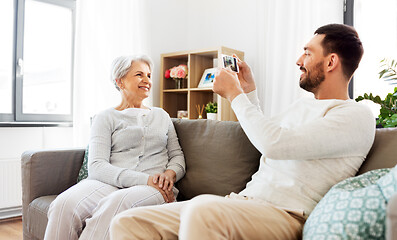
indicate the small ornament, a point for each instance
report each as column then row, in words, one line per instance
column 200, row 110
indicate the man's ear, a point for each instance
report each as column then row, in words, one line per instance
column 333, row 62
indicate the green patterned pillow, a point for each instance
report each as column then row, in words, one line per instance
column 83, row 173
column 354, row 208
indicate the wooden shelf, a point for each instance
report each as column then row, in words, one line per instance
column 172, row 100
column 176, row 90
column 201, row 89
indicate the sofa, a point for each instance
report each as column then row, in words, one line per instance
column 219, row 159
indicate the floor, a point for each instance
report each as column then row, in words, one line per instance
column 11, row 229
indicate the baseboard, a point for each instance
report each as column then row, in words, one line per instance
column 10, row 212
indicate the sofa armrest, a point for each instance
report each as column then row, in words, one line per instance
column 48, row 172
column 391, row 221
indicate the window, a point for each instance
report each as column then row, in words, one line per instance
column 376, row 23
column 36, row 69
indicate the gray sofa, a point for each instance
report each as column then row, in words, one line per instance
column 219, row 160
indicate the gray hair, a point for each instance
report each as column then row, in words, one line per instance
column 121, row 65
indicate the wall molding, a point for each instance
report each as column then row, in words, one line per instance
column 10, row 212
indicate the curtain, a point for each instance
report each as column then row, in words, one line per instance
column 284, row 27
column 105, row 29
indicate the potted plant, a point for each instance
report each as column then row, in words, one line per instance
column 388, row 111
column 211, row 109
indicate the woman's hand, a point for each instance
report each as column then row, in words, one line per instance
column 245, row 76
column 167, row 195
column 165, row 180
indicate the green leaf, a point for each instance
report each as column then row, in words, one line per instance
column 211, row 107
column 381, row 73
column 384, row 112
column 389, row 75
column 359, row 98
column 377, row 100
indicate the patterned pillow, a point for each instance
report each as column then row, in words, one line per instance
column 354, row 208
column 83, row 173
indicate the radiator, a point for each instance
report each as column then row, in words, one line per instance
column 10, row 187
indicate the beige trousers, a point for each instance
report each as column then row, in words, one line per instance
column 90, row 205
column 208, row 217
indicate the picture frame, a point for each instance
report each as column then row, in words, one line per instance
column 230, row 62
column 207, row 79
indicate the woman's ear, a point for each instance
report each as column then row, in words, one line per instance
column 333, row 62
column 119, row 83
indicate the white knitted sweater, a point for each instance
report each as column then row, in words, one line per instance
column 305, row 150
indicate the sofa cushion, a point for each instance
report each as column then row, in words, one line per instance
column 219, row 157
column 383, row 152
column 83, row 173
column 354, row 208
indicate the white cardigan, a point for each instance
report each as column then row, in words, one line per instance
column 128, row 146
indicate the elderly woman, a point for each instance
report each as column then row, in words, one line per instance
column 134, row 160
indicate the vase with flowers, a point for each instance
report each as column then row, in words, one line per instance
column 177, row 73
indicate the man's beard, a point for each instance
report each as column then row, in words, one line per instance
column 312, row 79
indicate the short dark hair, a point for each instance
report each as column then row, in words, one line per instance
column 344, row 41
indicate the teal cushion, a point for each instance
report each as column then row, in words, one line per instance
column 83, row 173
column 354, row 208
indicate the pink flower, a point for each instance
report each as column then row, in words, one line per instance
column 167, row 73
column 181, row 73
column 178, row 72
column 173, row 72
column 184, row 67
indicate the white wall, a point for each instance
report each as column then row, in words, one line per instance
column 166, row 30
column 178, row 25
column 271, row 34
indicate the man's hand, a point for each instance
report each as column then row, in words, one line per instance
column 226, row 84
column 167, row 195
column 245, row 76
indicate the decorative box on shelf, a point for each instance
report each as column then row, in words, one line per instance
column 196, row 88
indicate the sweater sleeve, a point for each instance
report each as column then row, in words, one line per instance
column 175, row 155
column 344, row 131
column 99, row 167
column 253, row 98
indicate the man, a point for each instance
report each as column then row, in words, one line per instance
column 306, row 150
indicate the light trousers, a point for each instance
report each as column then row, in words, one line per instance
column 91, row 205
column 208, row 217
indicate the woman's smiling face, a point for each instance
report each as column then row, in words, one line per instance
column 137, row 83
